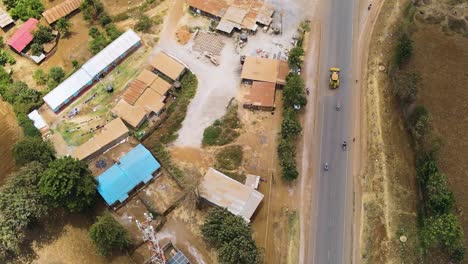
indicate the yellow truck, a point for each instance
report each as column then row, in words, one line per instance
column 334, row 78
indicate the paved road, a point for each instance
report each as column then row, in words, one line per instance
column 332, row 237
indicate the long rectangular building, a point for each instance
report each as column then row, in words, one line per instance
column 91, row 71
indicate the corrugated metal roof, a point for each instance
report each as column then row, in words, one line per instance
column 134, row 90
column 5, row 18
column 113, row 130
column 67, row 89
column 133, row 115
column 160, row 86
column 223, row 191
column 97, row 64
column 261, row 94
column 151, row 101
column 135, row 167
column 61, row 10
column 167, row 65
column 178, row 258
column 23, row 36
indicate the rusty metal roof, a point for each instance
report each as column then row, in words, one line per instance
column 61, row 10
column 261, row 94
column 134, row 90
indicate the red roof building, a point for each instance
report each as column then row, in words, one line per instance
column 23, row 36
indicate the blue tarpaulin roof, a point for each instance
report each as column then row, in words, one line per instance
column 135, row 167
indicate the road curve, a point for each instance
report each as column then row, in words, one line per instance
column 333, row 207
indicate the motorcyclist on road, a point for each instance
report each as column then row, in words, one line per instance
column 325, row 167
column 344, row 144
column 338, row 107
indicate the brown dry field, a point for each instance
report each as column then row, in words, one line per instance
column 389, row 187
column 9, row 134
column 443, row 63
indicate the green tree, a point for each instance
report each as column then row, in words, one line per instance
column 290, row 126
column 440, row 199
column 40, row 77
column 36, row 49
column 426, row 166
column 238, row 251
column 287, row 157
column 112, row 32
column 94, row 32
column 23, row 98
column 231, row 235
column 221, row 227
column 56, row 73
column 293, row 91
column 75, row 64
column 63, row 25
column 25, row 9
column 68, row 183
column 295, row 57
column 20, row 205
column 27, row 124
column 42, row 35
column 105, row 20
column 404, row 49
column 5, row 58
column 92, row 9
column 419, row 122
column 108, row 235
column 446, row 232
column 144, row 23
column 33, row 149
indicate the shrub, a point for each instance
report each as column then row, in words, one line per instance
column 33, row 149
column 230, row 157
column 108, row 235
column 426, row 166
column 404, row 49
column 231, row 235
column 63, row 25
column 27, row 124
column 57, row 74
column 290, row 126
column 295, row 57
column 75, row 64
column 287, row 158
column 440, row 198
column 211, row 135
column 445, row 232
column 92, row 9
column 40, row 77
column 223, row 131
column 293, row 91
column 68, row 183
column 25, row 9
column 419, row 122
column 105, row 20
column 112, row 32
column 144, row 23
column 405, row 85
column 42, row 35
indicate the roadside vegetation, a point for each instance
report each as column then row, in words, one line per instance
column 167, row 131
column 439, row 227
column 231, row 236
column 293, row 99
column 224, row 130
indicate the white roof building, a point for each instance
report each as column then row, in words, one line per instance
column 68, row 89
column 112, row 53
column 239, row 199
column 37, row 119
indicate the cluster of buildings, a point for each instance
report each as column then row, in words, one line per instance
column 233, row 15
column 23, row 36
column 264, row 75
column 146, row 95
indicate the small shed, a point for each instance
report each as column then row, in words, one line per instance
column 5, row 18
column 23, row 36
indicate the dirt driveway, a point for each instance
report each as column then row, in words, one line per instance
column 217, row 85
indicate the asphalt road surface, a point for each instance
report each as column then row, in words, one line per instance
column 333, row 208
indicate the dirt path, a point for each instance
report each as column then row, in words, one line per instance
column 388, row 180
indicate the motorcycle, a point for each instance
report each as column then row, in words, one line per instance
column 325, row 167
column 344, row 145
